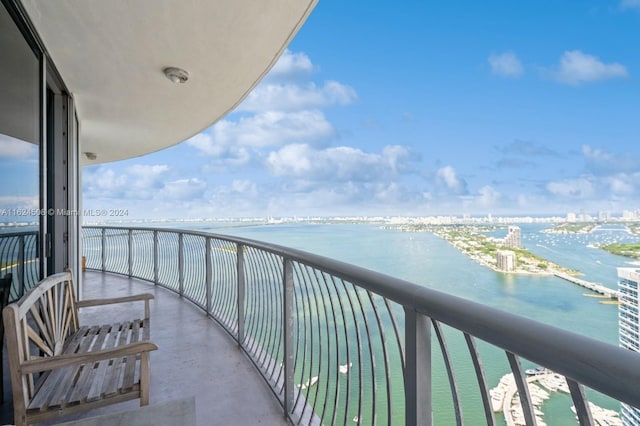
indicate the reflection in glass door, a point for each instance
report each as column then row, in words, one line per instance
column 20, row 157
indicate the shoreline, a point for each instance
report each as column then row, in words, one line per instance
column 468, row 239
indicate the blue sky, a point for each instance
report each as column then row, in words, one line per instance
column 416, row 108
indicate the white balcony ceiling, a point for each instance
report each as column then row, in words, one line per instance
column 111, row 55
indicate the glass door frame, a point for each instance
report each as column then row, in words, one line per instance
column 59, row 168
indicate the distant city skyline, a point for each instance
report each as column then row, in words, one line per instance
column 416, row 109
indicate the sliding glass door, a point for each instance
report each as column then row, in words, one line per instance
column 21, row 226
column 38, row 159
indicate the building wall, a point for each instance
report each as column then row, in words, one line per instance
column 513, row 239
column 506, row 260
column 628, row 324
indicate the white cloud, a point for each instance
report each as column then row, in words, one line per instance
column 135, row 182
column 600, row 162
column 288, row 87
column 244, row 186
column 20, row 202
column 622, row 184
column 576, row 68
column 447, row 177
column 145, row 179
column 17, row 149
column 183, row 189
column 271, row 128
column 338, row 163
column 572, row 188
column 506, row 65
column 224, row 150
column 100, row 182
column 488, row 196
column 283, row 110
column 290, row 66
column 295, row 97
column 596, row 154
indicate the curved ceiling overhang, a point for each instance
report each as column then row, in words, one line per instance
column 111, row 55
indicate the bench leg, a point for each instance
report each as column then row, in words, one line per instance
column 144, row 379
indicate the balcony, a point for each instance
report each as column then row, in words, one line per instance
column 334, row 343
column 200, row 360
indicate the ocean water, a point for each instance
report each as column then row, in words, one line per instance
column 427, row 260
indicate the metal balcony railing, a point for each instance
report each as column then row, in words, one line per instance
column 340, row 344
column 19, row 257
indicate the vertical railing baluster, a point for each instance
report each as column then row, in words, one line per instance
column 240, row 291
column 385, row 357
column 155, row 256
column 287, row 324
column 104, row 251
column 449, row 367
column 583, row 412
column 523, row 389
column 21, row 266
column 482, row 381
column 130, row 248
column 180, row 264
column 417, row 377
column 208, row 281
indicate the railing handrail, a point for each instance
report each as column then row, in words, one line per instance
column 18, row 234
column 13, row 252
column 601, row 366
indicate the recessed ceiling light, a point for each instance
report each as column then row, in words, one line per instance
column 177, row 75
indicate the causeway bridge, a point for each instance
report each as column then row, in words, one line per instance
column 598, row 288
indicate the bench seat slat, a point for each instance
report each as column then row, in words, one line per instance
column 104, row 366
column 76, row 374
column 50, row 381
column 84, row 379
column 73, row 343
column 131, row 361
column 92, row 381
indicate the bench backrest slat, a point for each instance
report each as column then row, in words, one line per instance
column 38, row 325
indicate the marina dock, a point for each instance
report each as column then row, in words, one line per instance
column 505, row 399
column 598, row 288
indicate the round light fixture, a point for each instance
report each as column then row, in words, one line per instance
column 177, row 75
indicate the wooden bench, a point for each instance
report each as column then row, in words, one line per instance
column 59, row 367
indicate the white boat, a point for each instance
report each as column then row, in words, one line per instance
column 536, row 371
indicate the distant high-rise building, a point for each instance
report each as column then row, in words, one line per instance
column 571, row 217
column 628, row 324
column 512, row 239
column 604, row 216
column 506, row 260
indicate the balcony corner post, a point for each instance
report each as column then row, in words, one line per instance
column 208, row 274
column 21, row 267
column 287, row 323
column 130, row 252
column 241, row 291
column 103, row 248
column 417, row 376
column 155, row 256
column 181, row 264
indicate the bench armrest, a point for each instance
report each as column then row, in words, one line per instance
column 60, row 361
column 135, row 298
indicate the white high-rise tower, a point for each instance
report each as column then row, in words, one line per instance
column 629, row 323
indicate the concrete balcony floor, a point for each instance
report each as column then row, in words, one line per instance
column 196, row 358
